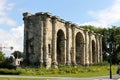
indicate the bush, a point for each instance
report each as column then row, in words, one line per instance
column 9, row 72
column 7, row 65
column 105, row 63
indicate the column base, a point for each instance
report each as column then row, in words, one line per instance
column 74, row 65
column 54, row 65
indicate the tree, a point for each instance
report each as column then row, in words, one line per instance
column 109, row 35
column 2, row 57
column 17, row 54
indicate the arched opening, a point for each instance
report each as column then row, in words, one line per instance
column 79, row 44
column 93, row 51
column 60, row 47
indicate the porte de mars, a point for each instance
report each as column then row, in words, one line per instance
column 50, row 41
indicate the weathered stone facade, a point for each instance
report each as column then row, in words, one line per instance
column 50, row 41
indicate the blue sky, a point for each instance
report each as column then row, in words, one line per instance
column 100, row 13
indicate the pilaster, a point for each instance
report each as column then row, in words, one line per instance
column 54, row 60
column 90, row 48
column 40, row 16
column 45, row 47
column 100, row 41
column 97, row 47
column 26, row 51
column 73, row 54
column 86, row 48
column 68, row 25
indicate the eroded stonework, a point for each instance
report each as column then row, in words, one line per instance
column 50, row 41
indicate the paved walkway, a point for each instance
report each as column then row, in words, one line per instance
column 115, row 77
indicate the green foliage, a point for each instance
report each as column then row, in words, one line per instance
column 105, row 63
column 7, row 63
column 67, row 71
column 25, row 78
column 10, row 72
column 80, row 71
column 17, row 54
column 2, row 57
column 110, row 35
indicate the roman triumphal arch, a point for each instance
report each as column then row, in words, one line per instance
column 51, row 41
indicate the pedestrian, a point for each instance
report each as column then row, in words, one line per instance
column 118, row 70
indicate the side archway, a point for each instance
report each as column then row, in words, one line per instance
column 79, row 46
column 93, row 52
column 60, row 47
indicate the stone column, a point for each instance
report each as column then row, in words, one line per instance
column 73, row 60
column 90, row 48
column 41, row 42
column 26, row 52
column 97, row 48
column 54, row 34
column 68, row 24
column 86, row 48
column 45, row 50
column 40, row 24
column 100, row 41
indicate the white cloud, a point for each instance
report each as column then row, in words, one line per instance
column 4, row 9
column 14, row 38
column 106, row 17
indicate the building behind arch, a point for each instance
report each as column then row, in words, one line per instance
column 50, row 41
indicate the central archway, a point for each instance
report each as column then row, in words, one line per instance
column 79, row 44
column 60, row 47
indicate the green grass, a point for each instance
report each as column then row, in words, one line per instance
column 23, row 79
column 65, row 71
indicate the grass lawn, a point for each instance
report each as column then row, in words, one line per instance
column 65, row 71
column 23, row 79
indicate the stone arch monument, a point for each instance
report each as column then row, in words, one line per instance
column 50, row 41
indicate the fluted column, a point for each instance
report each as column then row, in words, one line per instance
column 67, row 43
column 45, row 50
column 41, row 42
column 73, row 60
column 40, row 19
column 26, row 52
column 90, row 48
column 101, row 57
column 86, row 48
column 97, row 48
column 54, row 60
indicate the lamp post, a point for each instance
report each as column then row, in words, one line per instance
column 110, row 52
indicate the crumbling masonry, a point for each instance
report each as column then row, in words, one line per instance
column 50, row 41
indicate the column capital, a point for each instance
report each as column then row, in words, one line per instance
column 26, row 15
column 54, row 19
column 68, row 23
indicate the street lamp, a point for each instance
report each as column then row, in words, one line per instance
column 110, row 54
column 109, row 46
